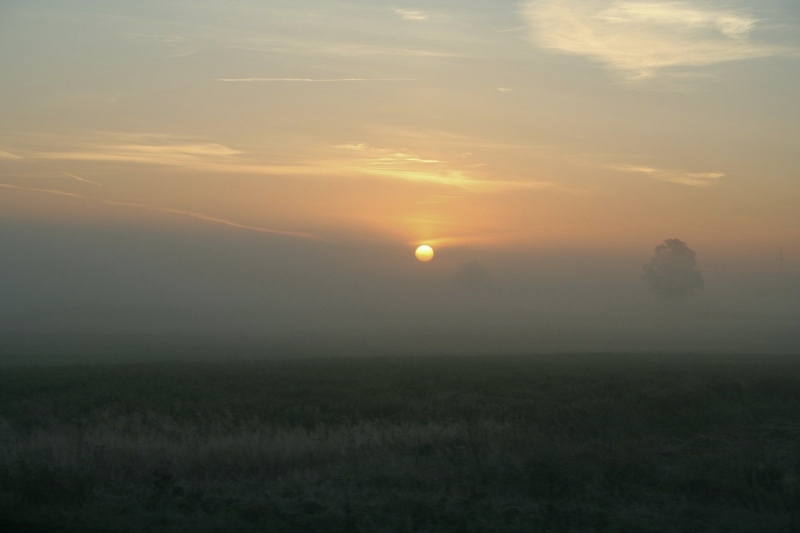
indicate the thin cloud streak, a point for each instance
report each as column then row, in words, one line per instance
column 361, row 160
column 387, row 163
column 365, row 50
column 56, row 192
column 410, row 14
column 487, row 238
column 642, row 39
column 454, row 178
column 311, row 80
column 209, row 218
column 82, row 180
column 187, row 38
column 168, row 210
column 515, row 29
column 158, row 154
column 9, row 155
column 15, row 157
column 683, row 177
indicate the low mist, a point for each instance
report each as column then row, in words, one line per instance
column 115, row 281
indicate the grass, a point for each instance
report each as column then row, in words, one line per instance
column 569, row 443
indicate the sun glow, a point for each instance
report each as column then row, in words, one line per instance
column 424, row 253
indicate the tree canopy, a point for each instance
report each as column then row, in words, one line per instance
column 672, row 272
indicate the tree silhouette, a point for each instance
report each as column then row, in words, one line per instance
column 672, row 272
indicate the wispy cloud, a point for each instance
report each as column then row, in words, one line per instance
column 385, row 155
column 387, row 163
column 410, row 14
column 683, row 177
column 31, row 159
column 209, row 218
column 9, row 155
column 168, row 210
column 365, row 50
column 158, row 152
column 57, row 192
column 168, row 151
column 466, row 144
column 352, row 160
column 82, row 180
column 460, row 240
column 151, row 149
column 203, row 38
column 642, row 38
column 311, row 80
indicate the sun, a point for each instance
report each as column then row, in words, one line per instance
column 424, row 253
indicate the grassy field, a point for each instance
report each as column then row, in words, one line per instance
column 402, row 444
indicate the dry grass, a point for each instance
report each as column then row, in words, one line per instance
column 514, row 444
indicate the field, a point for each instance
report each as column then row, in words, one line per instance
column 401, row 444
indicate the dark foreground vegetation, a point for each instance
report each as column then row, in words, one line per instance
column 463, row 444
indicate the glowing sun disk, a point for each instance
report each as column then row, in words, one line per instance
column 424, row 253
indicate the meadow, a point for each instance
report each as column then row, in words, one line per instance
column 590, row 442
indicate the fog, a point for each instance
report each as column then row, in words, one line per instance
column 260, row 174
column 242, row 287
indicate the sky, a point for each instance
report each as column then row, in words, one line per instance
column 268, row 168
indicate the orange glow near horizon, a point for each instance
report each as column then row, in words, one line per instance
column 431, row 148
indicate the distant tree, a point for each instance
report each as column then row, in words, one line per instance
column 672, row 272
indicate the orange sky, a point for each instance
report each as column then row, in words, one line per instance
column 506, row 124
column 493, row 131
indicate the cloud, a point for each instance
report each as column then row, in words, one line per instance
column 57, row 192
column 158, row 153
column 409, row 14
column 515, row 29
column 164, row 150
column 642, row 38
column 82, row 180
column 15, row 157
column 504, row 90
column 388, row 163
column 363, row 50
column 486, row 237
column 385, row 156
column 169, row 210
column 209, row 218
column 455, row 141
column 692, row 179
column 353, row 160
column 317, row 80
column 195, row 38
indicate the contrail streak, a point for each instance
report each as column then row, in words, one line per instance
column 46, row 191
column 209, row 218
column 169, row 210
column 82, row 180
column 312, row 80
